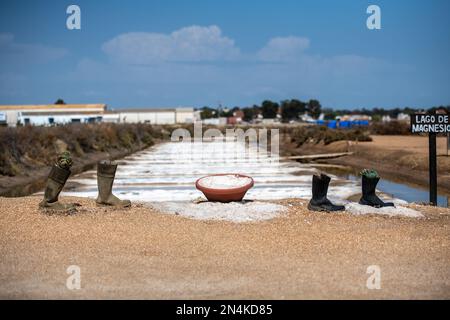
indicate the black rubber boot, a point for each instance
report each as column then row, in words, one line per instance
column 56, row 180
column 319, row 201
column 106, row 171
column 369, row 198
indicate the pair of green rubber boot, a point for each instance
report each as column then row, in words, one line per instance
column 60, row 172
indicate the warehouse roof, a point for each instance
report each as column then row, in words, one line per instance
column 52, row 106
column 152, row 110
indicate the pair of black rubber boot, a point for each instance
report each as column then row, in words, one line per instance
column 58, row 176
column 320, row 202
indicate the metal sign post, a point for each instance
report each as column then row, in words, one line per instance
column 448, row 142
column 431, row 123
column 432, row 168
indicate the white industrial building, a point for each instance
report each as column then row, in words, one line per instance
column 44, row 115
column 152, row 116
column 215, row 121
column 41, row 115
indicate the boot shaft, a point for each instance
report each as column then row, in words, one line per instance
column 320, row 186
column 56, row 180
column 105, row 169
column 59, row 175
column 369, row 185
column 316, row 185
column 325, row 183
column 106, row 173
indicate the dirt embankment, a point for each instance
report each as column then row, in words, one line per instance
column 138, row 253
column 401, row 158
column 28, row 152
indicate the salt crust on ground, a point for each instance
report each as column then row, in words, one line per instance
column 248, row 211
column 357, row 209
column 245, row 211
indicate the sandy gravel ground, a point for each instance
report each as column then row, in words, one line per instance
column 138, row 253
column 415, row 143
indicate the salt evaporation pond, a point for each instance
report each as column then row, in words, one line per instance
column 168, row 171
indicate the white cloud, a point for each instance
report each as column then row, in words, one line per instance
column 13, row 52
column 324, row 78
column 194, row 44
column 283, row 49
column 281, row 69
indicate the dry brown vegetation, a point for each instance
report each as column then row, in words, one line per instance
column 30, row 147
column 317, row 134
column 390, row 128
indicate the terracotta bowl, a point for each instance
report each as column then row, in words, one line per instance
column 225, row 195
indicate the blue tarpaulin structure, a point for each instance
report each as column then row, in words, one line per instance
column 333, row 124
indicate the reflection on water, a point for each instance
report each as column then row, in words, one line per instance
column 168, row 171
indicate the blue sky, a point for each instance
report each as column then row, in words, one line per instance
column 196, row 53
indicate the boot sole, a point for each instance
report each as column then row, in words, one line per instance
column 386, row 204
column 320, row 209
column 314, row 208
column 112, row 206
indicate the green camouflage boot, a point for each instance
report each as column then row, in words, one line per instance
column 57, row 178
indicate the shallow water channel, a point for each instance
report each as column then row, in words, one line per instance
column 168, row 171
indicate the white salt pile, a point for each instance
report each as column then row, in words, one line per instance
column 246, row 211
column 357, row 209
column 228, row 181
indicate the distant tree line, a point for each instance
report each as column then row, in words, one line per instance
column 292, row 109
column 286, row 110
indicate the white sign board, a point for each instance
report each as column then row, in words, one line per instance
column 430, row 123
